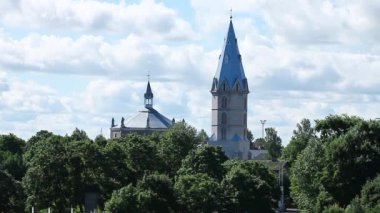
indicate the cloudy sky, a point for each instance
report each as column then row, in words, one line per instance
column 76, row 63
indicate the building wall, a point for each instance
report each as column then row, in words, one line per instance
column 122, row 132
column 236, row 114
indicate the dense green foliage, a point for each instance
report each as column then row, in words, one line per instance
column 334, row 167
column 300, row 139
column 273, row 143
column 370, row 194
column 154, row 193
column 11, row 150
column 171, row 172
column 249, row 186
column 198, row 193
column 12, row 196
column 207, row 160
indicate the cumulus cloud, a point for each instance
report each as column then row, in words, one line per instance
column 147, row 18
column 129, row 58
column 302, row 59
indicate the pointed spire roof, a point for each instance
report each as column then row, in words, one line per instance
column 230, row 67
column 148, row 94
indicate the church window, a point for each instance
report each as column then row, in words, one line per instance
column 224, row 118
column 224, row 133
column 245, row 119
column 245, row 103
column 224, row 102
column 237, row 87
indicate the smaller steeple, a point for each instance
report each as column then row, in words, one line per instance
column 122, row 122
column 113, row 122
column 148, row 97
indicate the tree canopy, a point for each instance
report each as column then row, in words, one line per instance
column 334, row 167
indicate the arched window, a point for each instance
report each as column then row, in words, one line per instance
column 224, row 133
column 245, row 119
column 245, row 103
column 224, row 102
column 237, row 87
column 224, row 87
column 224, row 118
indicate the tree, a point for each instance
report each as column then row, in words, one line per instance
column 207, row 160
column 300, row 139
column 306, row 173
column 85, row 170
column 259, row 143
column 57, row 166
column 11, row 151
column 154, row 193
column 249, row 186
column 273, row 143
column 45, row 180
column 198, row 193
column 123, row 200
column 250, row 136
column 12, row 197
column 116, row 169
column 250, row 139
column 100, row 140
column 175, row 144
column 202, row 137
column 335, row 125
column 334, row 169
column 141, row 155
column 352, row 159
column 78, row 135
column 333, row 209
column 370, row 194
column 355, row 206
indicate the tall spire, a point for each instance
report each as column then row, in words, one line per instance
column 148, row 97
column 230, row 68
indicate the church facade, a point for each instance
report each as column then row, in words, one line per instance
column 145, row 122
column 229, row 101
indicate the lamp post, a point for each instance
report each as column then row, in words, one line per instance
column 262, row 124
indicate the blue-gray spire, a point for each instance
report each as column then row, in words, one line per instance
column 148, row 96
column 230, row 68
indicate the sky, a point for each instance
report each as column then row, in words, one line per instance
column 77, row 63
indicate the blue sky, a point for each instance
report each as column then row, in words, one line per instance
column 77, row 63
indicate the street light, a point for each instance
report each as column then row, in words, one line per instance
column 262, row 124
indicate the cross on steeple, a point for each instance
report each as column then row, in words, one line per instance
column 230, row 13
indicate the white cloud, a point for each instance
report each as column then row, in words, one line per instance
column 147, row 18
column 302, row 59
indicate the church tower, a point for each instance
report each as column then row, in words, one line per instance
column 229, row 101
column 148, row 96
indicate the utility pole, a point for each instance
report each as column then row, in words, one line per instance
column 262, row 124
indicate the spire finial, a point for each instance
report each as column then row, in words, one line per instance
column 230, row 13
column 148, row 75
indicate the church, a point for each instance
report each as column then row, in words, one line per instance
column 145, row 122
column 229, row 92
